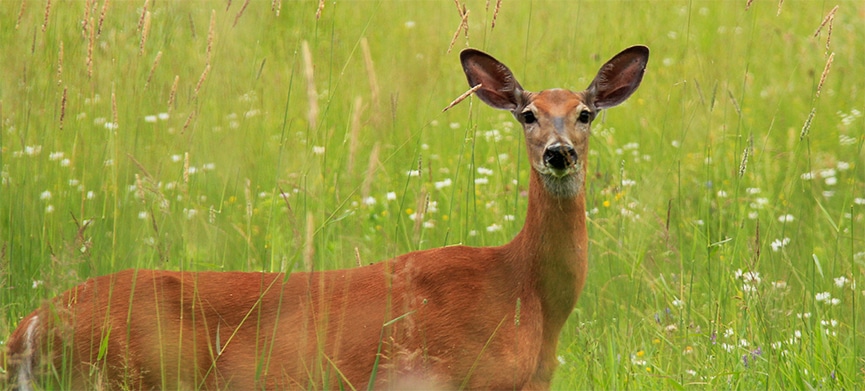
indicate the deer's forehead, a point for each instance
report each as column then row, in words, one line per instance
column 558, row 102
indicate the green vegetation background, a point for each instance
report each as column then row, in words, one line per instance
column 726, row 197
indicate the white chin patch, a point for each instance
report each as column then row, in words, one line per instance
column 567, row 186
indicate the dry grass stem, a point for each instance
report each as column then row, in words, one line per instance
column 311, row 94
column 370, row 170
column 496, row 13
column 186, row 168
column 780, row 3
column 276, row 6
column 748, row 4
column 152, row 69
column 357, row 257
column 141, row 18
column 807, row 126
column 188, row 121
column 102, row 18
column 227, row 5
column 60, row 65
column 201, row 81
column 825, row 74
column 309, row 246
column 464, row 24
column 173, row 93
column 829, row 32
column 240, row 13
column 20, row 13
column 47, row 15
column 826, row 19
column 320, row 8
column 114, row 115
column 62, row 108
column 462, row 97
column 211, row 31
column 745, row 155
column 354, row 132
column 85, row 25
column 90, row 43
column 145, row 29
column 370, row 69
column 247, row 197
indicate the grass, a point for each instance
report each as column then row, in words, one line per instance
column 727, row 197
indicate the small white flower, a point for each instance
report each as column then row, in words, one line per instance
column 485, row 171
column 753, row 190
column 859, row 201
column 826, row 173
column 391, row 196
column 150, row 119
column 55, row 155
column 49, row 209
column 482, row 181
column 442, row 184
column 494, row 228
column 722, row 194
column 797, row 334
column 841, row 281
column 162, row 116
column 831, row 181
column 45, row 195
column 823, row 296
column 409, row 24
column 509, row 218
column 807, row 176
column 318, row 150
column 413, row 173
column 778, row 244
column 779, row 284
column 678, row 303
column 787, row 218
column 369, row 201
column 142, row 215
column 37, row 283
column 842, row 166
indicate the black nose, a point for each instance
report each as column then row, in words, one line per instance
column 560, row 156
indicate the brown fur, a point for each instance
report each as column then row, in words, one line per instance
column 445, row 318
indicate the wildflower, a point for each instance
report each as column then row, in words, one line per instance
column 150, row 119
column 841, row 281
column 807, row 176
column 49, row 209
column 442, row 184
column 678, row 303
column 823, row 296
column 494, row 228
column 482, row 181
column 778, row 244
column 45, row 195
column 162, row 116
column 753, row 190
column 391, row 196
column 787, row 218
column 413, row 173
column 369, row 201
column 485, row 171
column 779, row 284
column 691, row 372
column 318, row 150
column 509, row 217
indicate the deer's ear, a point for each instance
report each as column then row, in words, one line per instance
column 499, row 88
column 619, row 77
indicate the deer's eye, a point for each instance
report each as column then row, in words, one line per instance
column 585, row 116
column 528, row 117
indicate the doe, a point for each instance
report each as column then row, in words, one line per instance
column 446, row 318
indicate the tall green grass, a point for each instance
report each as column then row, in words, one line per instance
column 727, row 228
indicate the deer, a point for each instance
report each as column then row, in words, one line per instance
column 454, row 317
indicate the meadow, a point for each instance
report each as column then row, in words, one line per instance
column 726, row 198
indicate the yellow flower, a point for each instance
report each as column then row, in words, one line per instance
column 606, row 203
column 641, row 353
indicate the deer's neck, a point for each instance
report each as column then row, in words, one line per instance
column 553, row 247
